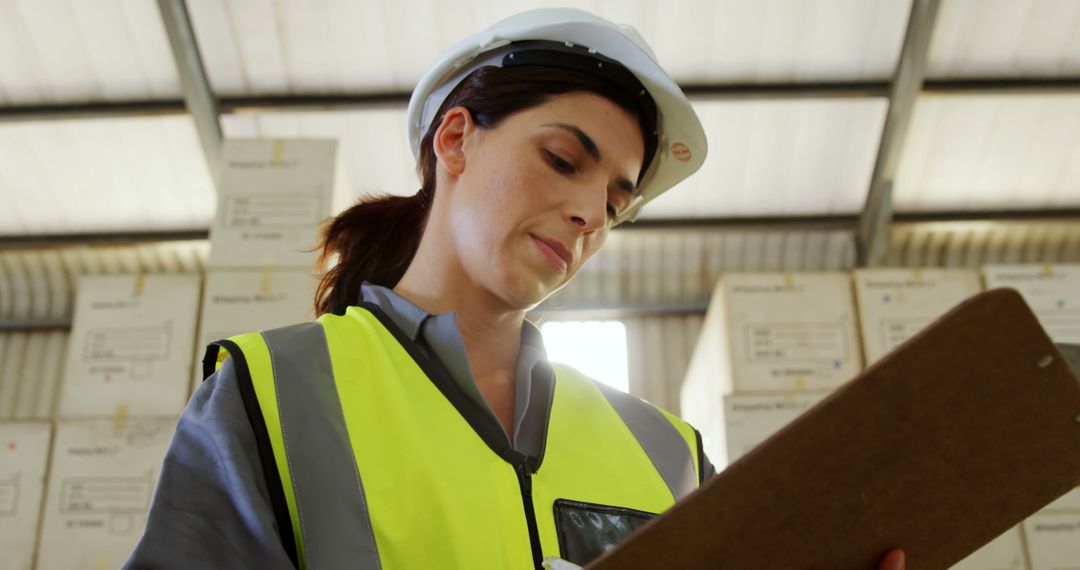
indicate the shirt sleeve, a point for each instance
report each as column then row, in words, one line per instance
column 708, row 469
column 211, row 508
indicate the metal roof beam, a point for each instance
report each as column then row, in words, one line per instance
column 397, row 100
column 871, row 238
column 198, row 97
column 79, row 111
column 765, row 223
column 1003, row 86
column 115, row 239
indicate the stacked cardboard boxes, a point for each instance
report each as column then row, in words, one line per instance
column 772, row 345
column 125, row 382
column 272, row 199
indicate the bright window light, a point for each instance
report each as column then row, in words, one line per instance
column 596, row 348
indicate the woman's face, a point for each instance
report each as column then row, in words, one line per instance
column 534, row 197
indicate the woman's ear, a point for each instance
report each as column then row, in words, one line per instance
column 449, row 142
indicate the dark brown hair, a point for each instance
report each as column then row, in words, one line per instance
column 376, row 239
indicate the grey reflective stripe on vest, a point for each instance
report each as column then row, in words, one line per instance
column 661, row 441
column 334, row 523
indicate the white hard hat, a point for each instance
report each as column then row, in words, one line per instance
column 680, row 139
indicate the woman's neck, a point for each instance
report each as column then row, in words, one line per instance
column 490, row 331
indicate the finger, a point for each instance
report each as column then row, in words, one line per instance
column 893, row 560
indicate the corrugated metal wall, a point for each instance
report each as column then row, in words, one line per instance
column 656, row 281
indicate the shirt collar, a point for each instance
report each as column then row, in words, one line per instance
column 410, row 318
column 405, row 314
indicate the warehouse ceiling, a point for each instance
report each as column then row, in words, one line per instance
column 794, row 95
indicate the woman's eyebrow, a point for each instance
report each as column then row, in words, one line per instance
column 586, row 141
column 593, row 151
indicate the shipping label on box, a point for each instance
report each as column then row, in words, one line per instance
column 272, row 197
column 24, row 455
column 240, row 301
column 130, row 346
column 789, row 331
column 1005, row 552
column 750, row 419
column 1053, row 540
column 895, row 304
column 1052, row 292
column 102, row 479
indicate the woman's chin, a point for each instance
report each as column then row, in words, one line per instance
column 528, row 291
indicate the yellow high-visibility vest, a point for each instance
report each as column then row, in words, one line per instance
column 375, row 458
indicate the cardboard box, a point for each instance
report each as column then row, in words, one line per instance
column 1005, row 552
column 894, row 304
column 102, row 479
column 1053, row 540
column 1052, row 292
column 130, row 346
column 24, row 455
column 272, row 197
column 779, row 332
column 749, row 419
column 241, row 301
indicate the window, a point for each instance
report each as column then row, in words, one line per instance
column 596, row 348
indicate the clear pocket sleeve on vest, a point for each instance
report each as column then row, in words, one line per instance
column 587, row 530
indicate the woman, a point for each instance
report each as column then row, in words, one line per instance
column 417, row 422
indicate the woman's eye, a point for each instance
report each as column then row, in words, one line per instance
column 560, row 164
column 611, row 211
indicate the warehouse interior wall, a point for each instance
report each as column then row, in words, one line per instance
column 656, row 281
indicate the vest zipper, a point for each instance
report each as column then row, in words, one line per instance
column 525, row 480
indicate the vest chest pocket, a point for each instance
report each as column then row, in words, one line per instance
column 587, row 530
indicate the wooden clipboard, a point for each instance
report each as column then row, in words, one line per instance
column 967, row 429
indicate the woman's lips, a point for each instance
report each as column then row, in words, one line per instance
column 554, row 252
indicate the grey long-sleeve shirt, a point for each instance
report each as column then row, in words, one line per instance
column 211, row 508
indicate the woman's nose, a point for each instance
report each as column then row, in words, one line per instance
column 587, row 222
column 587, row 212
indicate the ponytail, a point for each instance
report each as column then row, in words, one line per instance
column 373, row 241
